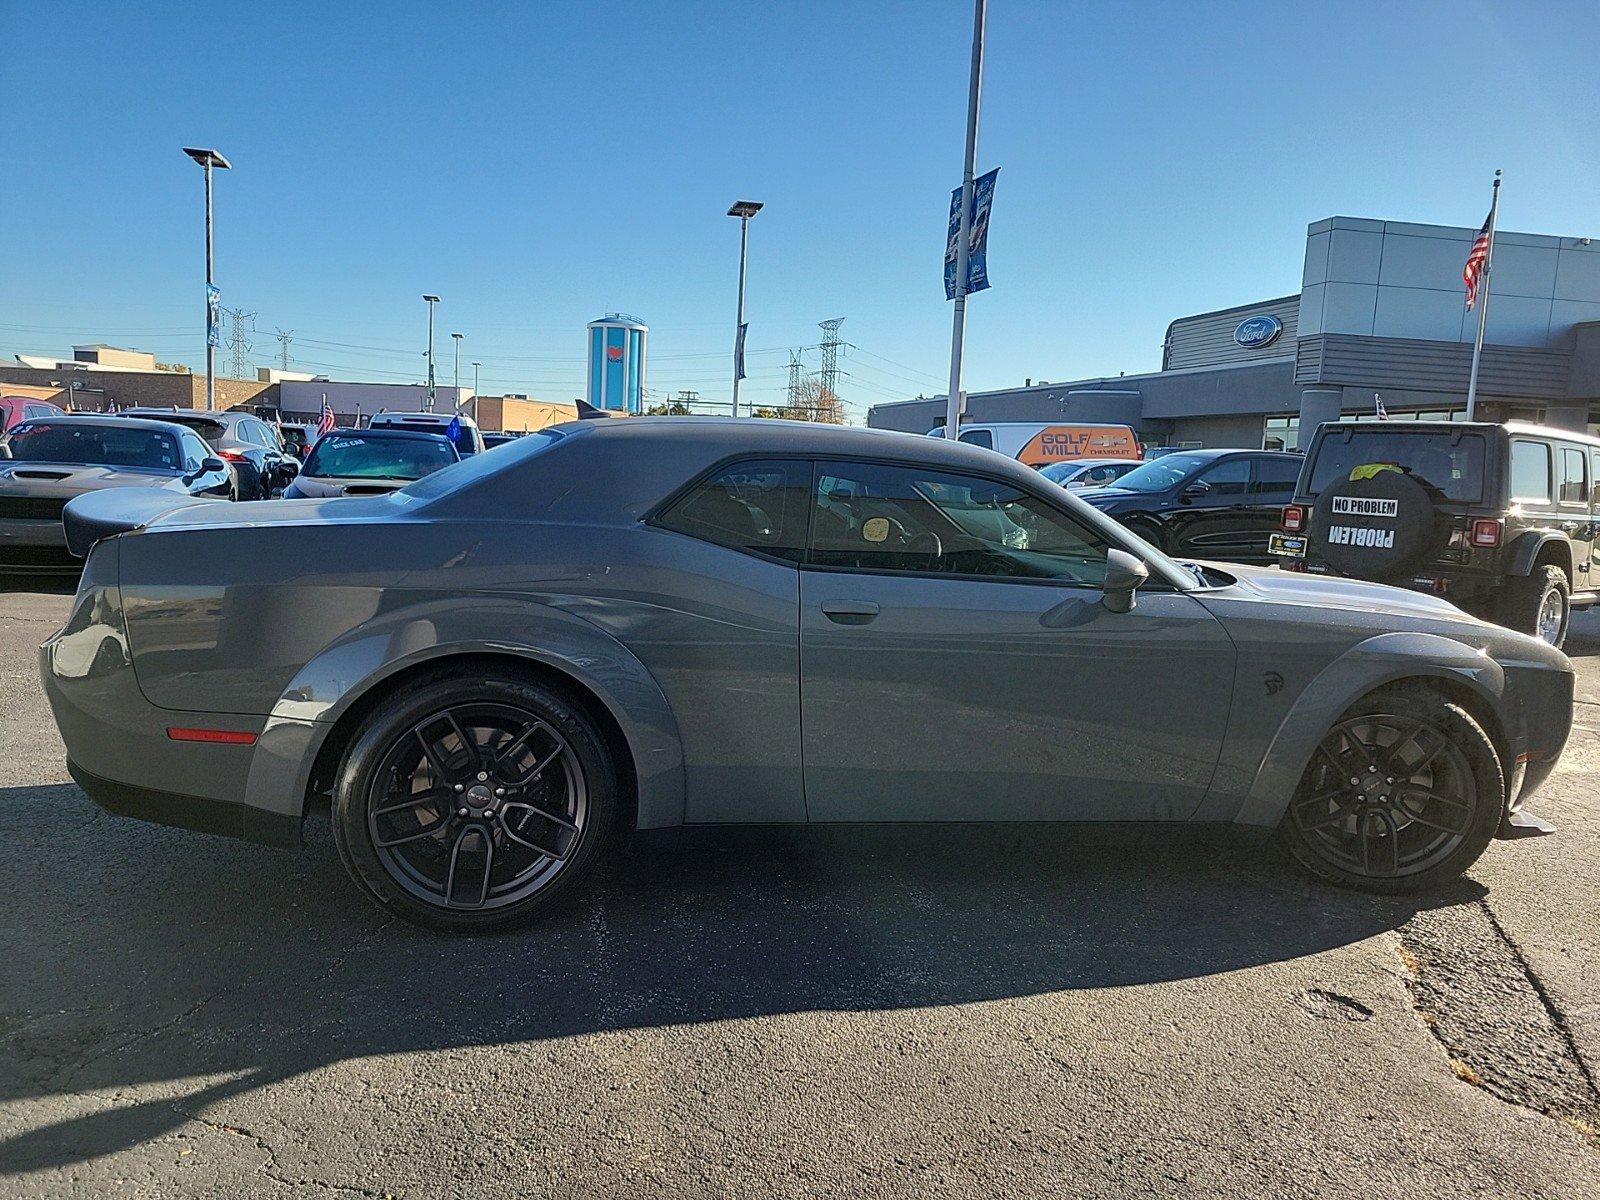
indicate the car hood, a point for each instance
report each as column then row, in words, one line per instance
column 323, row 486
column 72, row 479
column 1105, row 494
column 1325, row 591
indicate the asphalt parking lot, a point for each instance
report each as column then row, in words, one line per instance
column 947, row 1013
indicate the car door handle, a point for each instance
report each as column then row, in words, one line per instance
column 849, row 612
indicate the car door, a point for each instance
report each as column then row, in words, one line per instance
column 1212, row 515
column 957, row 663
column 1573, row 504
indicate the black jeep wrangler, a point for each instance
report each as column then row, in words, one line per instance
column 1499, row 519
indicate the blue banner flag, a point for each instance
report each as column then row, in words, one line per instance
column 977, row 255
column 738, row 352
column 213, row 325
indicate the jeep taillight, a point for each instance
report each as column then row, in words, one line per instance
column 1294, row 518
column 1486, row 531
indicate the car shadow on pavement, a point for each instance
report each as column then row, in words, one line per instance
column 196, row 969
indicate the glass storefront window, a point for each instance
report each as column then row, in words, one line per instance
column 1281, row 433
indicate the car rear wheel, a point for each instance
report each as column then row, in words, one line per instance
column 1540, row 604
column 469, row 803
column 1402, row 795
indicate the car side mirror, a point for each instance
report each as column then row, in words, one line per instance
column 1194, row 490
column 1124, row 574
column 290, row 468
column 212, row 463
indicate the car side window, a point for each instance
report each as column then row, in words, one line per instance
column 1530, row 471
column 1230, row 477
column 759, row 505
column 1594, row 474
column 979, row 437
column 875, row 517
column 1574, row 477
column 1277, row 476
column 194, row 451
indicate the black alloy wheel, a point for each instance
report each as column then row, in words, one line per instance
column 1404, row 792
column 469, row 804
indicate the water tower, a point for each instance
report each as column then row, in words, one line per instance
column 616, row 362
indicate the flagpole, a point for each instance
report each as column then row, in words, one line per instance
column 958, row 330
column 1483, row 307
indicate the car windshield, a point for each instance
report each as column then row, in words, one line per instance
column 356, row 456
column 1449, row 462
column 1062, row 471
column 1159, row 474
column 100, row 445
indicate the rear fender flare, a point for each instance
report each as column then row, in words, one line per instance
column 437, row 630
column 1527, row 548
column 1383, row 659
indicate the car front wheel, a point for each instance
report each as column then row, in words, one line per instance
column 470, row 803
column 1402, row 795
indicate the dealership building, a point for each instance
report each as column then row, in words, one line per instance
column 1381, row 313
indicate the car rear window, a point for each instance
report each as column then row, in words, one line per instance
column 97, row 445
column 355, row 456
column 1449, row 462
column 474, row 467
column 213, row 431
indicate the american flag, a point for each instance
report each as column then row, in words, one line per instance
column 325, row 423
column 1476, row 258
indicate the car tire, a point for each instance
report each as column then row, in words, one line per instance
column 406, row 852
column 1355, row 838
column 1539, row 604
column 1146, row 529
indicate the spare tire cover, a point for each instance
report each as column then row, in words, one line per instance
column 1378, row 526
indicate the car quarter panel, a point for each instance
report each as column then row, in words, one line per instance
column 1297, row 676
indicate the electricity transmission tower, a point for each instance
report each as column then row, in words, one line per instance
column 238, row 344
column 829, row 375
column 285, row 336
column 796, row 372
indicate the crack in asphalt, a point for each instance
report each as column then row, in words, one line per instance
column 1488, row 1008
column 273, row 1167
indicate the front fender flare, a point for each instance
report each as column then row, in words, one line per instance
column 439, row 628
column 1379, row 660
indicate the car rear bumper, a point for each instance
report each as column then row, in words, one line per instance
column 202, row 813
column 31, row 531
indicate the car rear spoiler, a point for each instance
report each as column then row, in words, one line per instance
column 95, row 515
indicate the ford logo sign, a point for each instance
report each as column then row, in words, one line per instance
column 1254, row 332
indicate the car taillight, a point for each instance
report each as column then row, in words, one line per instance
column 1294, row 518
column 1486, row 531
column 231, row 455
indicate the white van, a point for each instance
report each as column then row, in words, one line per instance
column 466, row 436
column 1038, row 444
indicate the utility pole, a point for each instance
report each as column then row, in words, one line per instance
column 475, row 367
column 744, row 210
column 431, row 301
column 285, row 336
column 209, row 159
column 958, row 331
column 456, row 338
column 829, row 375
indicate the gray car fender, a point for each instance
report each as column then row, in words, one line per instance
column 1366, row 666
column 438, row 629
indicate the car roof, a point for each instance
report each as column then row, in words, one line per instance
column 221, row 416
column 112, row 419
column 427, row 417
column 411, row 435
column 770, row 436
column 1523, row 428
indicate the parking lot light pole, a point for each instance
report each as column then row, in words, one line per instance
column 475, row 367
column 208, row 159
column 432, row 300
column 744, row 210
column 456, row 338
column 958, row 331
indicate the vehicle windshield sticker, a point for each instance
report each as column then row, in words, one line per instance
column 1356, row 535
column 1362, row 506
column 876, row 529
column 1371, row 470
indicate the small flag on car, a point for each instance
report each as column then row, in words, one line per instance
column 325, row 423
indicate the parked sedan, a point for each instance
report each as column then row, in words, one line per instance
column 248, row 444
column 677, row 621
column 1211, row 504
column 370, row 462
column 45, row 463
column 1089, row 472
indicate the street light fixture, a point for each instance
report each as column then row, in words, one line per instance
column 432, row 300
column 456, row 338
column 744, row 210
column 209, row 159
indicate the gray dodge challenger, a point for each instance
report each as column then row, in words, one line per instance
column 659, row 622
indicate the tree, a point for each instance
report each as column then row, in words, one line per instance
column 674, row 408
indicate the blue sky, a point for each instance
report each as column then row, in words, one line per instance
column 538, row 164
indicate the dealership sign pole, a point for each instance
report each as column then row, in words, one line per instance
column 963, row 230
column 1486, row 236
